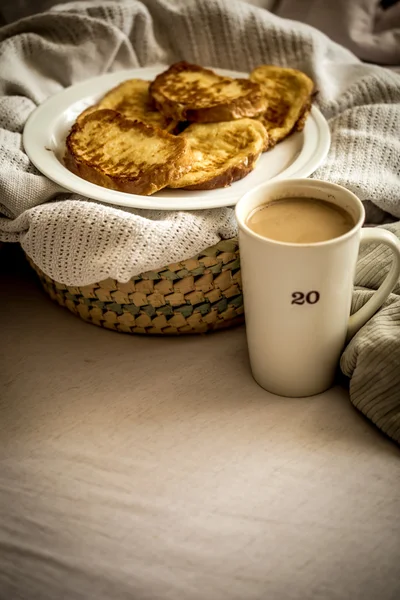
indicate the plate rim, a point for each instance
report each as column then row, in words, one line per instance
column 136, row 201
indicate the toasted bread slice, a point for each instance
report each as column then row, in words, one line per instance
column 289, row 95
column 110, row 150
column 131, row 98
column 186, row 92
column 222, row 153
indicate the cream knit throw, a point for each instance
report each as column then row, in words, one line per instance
column 78, row 242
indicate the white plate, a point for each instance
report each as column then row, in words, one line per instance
column 47, row 127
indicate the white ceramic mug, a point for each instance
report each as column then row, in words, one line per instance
column 297, row 297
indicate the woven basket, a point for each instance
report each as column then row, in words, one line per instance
column 193, row 296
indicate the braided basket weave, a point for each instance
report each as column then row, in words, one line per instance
column 193, row 296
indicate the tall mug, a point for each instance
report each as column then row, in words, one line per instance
column 297, row 297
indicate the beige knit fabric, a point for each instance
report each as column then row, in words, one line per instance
column 78, row 242
column 372, row 358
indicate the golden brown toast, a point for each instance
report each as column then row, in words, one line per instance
column 110, row 150
column 222, row 152
column 187, row 92
column 289, row 96
column 131, row 98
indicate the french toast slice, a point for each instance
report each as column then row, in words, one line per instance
column 187, row 92
column 289, row 95
column 222, row 152
column 110, row 150
column 131, row 98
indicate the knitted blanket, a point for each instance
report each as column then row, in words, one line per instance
column 77, row 242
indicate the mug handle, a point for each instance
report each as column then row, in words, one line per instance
column 359, row 318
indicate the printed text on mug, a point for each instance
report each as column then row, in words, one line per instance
column 309, row 298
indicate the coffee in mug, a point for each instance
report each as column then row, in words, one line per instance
column 300, row 220
column 299, row 241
